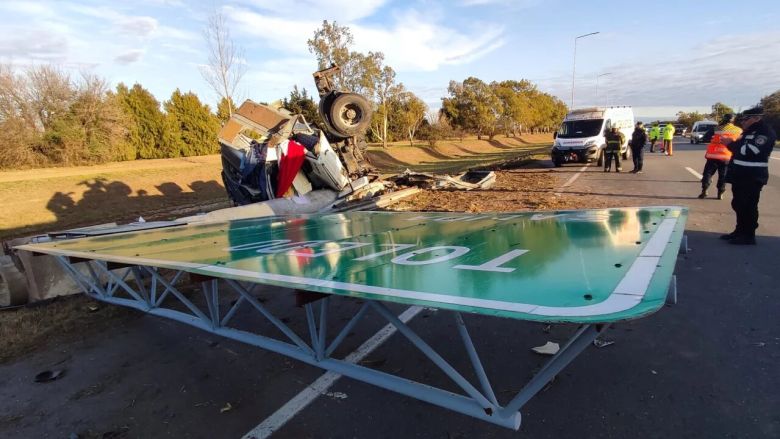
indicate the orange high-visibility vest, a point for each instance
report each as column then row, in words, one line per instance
column 717, row 150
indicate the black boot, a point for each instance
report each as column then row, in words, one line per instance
column 729, row 236
column 720, row 194
column 743, row 240
column 703, row 194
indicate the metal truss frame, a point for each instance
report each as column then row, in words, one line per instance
column 147, row 288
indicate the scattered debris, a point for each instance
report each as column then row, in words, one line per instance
column 465, row 181
column 548, row 348
column 547, row 328
column 49, row 375
column 653, row 372
column 599, row 343
column 92, row 308
column 228, row 407
column 336, row 395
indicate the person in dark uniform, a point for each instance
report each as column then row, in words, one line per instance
column 748, row 172
column 638, row 140
column 615, row 140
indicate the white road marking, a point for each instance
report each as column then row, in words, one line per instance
column 571, row 180
column 321, row 384
column 695, row 174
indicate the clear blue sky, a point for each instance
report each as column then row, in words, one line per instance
column 661, row 56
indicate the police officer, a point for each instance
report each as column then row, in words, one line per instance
column 718, row 154
column 615, row 140
column 638, row 140
column 748, row 172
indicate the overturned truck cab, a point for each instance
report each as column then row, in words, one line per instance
column 270, row 153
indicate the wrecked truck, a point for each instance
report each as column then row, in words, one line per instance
column 273, row 163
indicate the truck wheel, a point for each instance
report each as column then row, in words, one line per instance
column 600, row 161
column 350, row 114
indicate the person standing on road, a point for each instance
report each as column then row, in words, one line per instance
column 748, row 172
column 668, row 137
column 655, row 134
column 638, row 140
column 718, row 154
column 615, row 140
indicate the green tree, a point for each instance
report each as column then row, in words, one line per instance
column 148, row 131
column 225, row 109
column 194, row 125
column 771, row 104
column 718, row 110
column 300, row 102
column 689, row 118
column 473, row 106
column 412, row 113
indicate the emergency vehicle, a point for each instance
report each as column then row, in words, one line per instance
column 580, row 139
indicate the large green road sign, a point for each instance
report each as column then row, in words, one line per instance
column 576, row 266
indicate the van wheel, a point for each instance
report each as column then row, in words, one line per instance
column 557, row 163
column 691, row 141
column 627, row 154
column 600, row 161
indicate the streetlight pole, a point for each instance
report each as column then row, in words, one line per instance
column 597, row 86
column 574, row 64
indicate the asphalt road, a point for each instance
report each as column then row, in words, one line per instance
column 706, row 367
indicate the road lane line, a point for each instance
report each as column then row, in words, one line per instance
column 571, row 180
column 695, row 174
column 321, row 384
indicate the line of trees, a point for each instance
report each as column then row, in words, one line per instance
column 49, row 118
column 508, row 107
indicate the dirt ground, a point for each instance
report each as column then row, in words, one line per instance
column 45, row 200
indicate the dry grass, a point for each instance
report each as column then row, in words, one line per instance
column 33, row 327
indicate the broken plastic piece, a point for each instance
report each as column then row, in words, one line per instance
column 228, row 407
column 599, row 343
column 548, row 348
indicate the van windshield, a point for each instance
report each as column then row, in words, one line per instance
column 704, row 127
column 580, row 128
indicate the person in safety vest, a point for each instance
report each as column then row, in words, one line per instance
column 668, row 136
column 655, row 134
column 718, row 154
column 748, row 172
column 615, row 140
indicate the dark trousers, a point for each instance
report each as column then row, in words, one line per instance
column 608, row 154
column 710, row 168
column 638, row 155
column 652, row 145
column 745, row 205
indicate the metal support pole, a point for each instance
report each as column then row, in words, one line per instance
column 487, row 389
column 345, row 331
column 435, row 357
column 578, row 343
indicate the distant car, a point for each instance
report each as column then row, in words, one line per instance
column 700, row 128
column 680, row 129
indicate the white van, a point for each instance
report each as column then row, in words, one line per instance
column 581, row 135
column 700, row 128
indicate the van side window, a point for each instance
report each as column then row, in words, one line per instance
column 608, row 125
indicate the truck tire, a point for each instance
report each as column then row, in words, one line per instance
column 350, row 114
